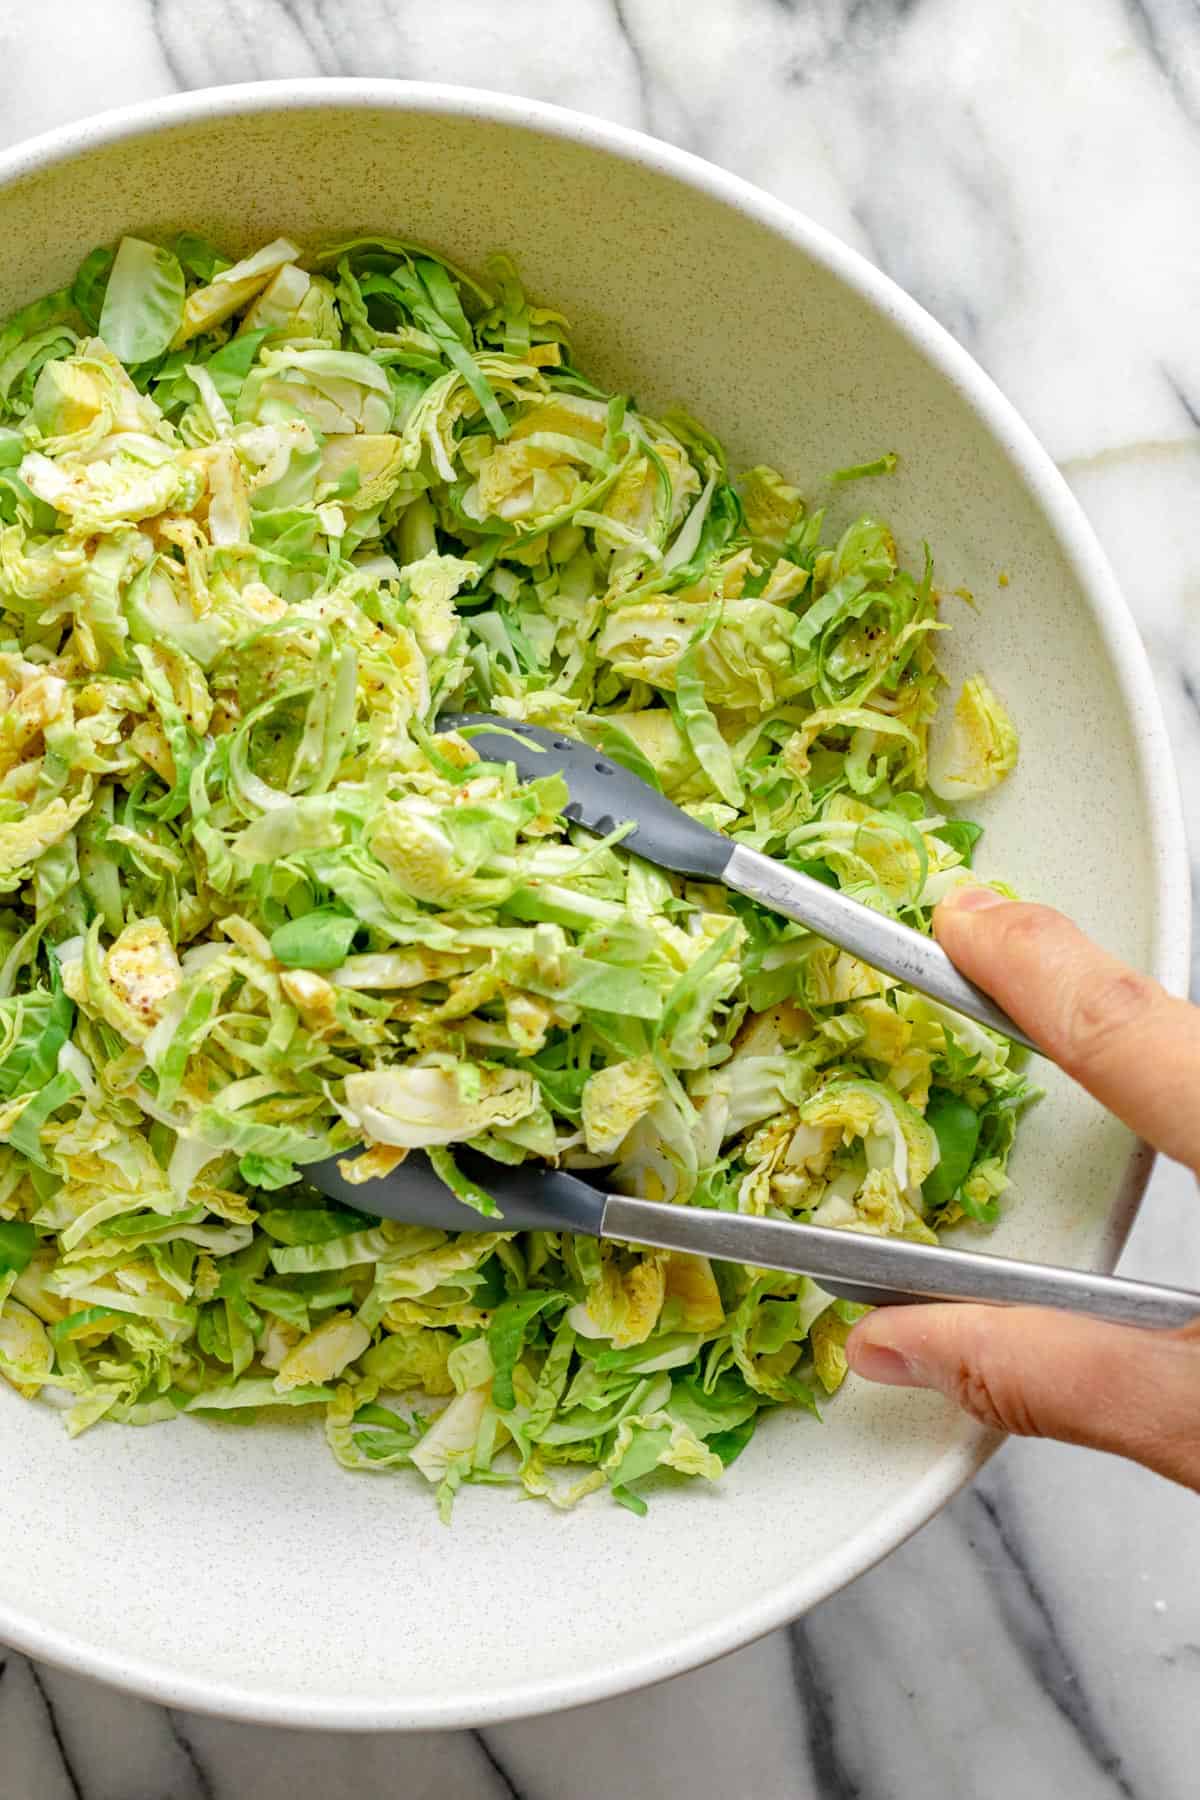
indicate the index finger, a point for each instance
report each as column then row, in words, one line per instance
column 1121, row 1035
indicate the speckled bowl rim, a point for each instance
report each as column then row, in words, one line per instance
column 1135, row 684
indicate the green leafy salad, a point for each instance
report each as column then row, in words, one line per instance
column 261, row 523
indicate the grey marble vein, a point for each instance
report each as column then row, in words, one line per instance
column 645, row 79
column 523, row 47
column 1167, row 29
column 209, row 43
column 497, row 1767
column 1035, row 1631
column 39, row 1682
column 1191, row 407
column 1030, row 173
column 178, row 1727
column 819, row 1703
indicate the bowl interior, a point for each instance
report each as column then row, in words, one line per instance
column 240, row 1568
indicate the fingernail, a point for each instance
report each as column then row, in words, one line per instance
column 973, row 899
column 879, row 1362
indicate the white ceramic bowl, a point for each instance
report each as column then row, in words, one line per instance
column 240, row 1570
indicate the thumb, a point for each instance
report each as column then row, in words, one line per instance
column 1046, row 1374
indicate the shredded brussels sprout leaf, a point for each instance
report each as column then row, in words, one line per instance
column 261, row 523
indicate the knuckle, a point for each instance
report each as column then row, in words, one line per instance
column 993, row 1401
column 1028, row 926
column 1029, row 941
column 1102, row 1009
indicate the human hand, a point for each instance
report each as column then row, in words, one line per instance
column 1022, row 1369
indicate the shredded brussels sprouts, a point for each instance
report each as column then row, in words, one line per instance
column 260, row 524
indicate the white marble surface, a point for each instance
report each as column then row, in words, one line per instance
column 1029, row 172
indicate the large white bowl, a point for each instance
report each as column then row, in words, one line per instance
column 240, row 1570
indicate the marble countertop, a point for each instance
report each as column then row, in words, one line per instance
column 1029, row 172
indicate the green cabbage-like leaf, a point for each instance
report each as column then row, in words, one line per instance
column 266, row 525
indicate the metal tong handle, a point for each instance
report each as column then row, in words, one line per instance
column 877, row 1271
column 875, row 939
column 888, row 1270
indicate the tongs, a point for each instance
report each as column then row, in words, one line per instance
column 850, row 1264
column 875, row 1271
column 604, row 796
